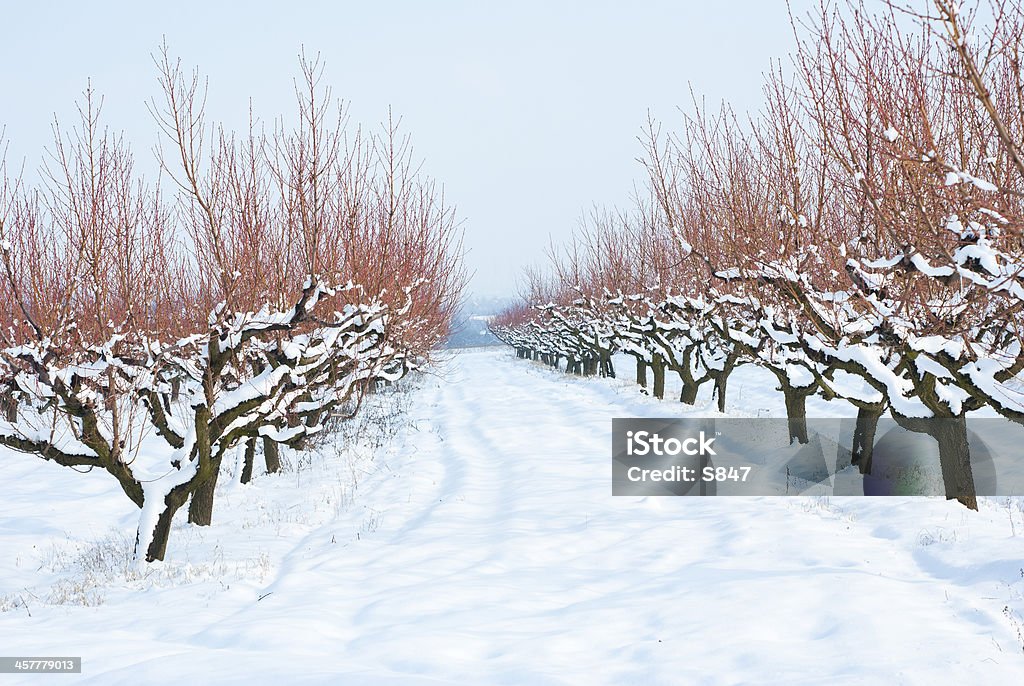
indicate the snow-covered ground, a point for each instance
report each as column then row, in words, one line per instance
column 481, row 544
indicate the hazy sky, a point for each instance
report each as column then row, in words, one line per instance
column 527, row 112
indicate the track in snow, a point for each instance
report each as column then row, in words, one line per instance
column 498, row 555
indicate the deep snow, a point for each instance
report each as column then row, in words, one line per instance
column 481, row 544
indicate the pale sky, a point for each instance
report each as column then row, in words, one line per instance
column 527, row 112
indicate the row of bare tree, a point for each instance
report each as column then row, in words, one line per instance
column 860, row 238
column 260, row 286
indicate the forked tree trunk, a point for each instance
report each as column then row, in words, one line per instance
column 178, row 495
column 691, row 387
column 721, row 378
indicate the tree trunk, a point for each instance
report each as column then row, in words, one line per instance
column 658, row 371
column 691, row 387
column 161, row 532
column 200, row 510
column 796, row 412
column 864, row 438
column 250, row 457
column 608, row 369
column 955, row 458
column 641, row 372
column 721, row 382
column 721, row 378
column 157, row 548
column 689, row 393
column 271, row 455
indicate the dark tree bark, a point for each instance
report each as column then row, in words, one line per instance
column 200, row 509
column 161, row 532
column 688, row 394
column 955, row 458
column 721, row 378
column 658, row 372
column 641, row 372
column 796, row 412
column 271, row 456
column 250, row 458
column 691, row 384
column 607, row 368
column 864, row 437
column 954, row 453
column 209, row 467
column 721, row 383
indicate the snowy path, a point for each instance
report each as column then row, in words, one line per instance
column 492, row 551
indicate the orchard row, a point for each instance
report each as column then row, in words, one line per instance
column 860, row 238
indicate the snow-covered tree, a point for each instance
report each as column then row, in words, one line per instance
column 860, row 238
column 149, row 339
